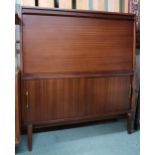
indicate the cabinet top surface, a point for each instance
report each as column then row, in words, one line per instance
column 75, row 12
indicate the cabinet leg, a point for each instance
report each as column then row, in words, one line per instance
column 129, row 121
column 137, row 114
column 29, row 138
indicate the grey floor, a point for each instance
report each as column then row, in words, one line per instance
column 107, row 138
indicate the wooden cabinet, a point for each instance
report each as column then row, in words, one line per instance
column 76, row 66
column 17, row 106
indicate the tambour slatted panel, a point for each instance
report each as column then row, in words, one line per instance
column 46, row 3
column 69, row 40
column 66, row 4
column 28, row 2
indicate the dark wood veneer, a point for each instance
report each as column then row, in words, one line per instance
column 17, row 106
column 76, row 66
column 76, row 75
column 67, row 98
column 77, row 44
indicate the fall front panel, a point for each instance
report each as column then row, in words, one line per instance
column 56, row 44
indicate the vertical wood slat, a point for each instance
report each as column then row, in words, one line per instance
column 46, row 3
column 73, row 4
column 126, row 6
column 106, row 5
column 82, row 4
column 121, row 5
column 98, row 5
column 56, row 3
column 28, row 2
column 66, row 4
column 111, row 5
column 116, row 6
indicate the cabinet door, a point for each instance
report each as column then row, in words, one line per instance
column 62, row 99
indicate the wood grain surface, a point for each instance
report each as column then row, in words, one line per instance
column 69, row 44
column 76, row 66
column 66, row 98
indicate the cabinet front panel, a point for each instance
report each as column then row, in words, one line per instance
column 76, row 98
column 56, row 44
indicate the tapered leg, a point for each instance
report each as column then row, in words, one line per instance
column 129, row 121
column 29, row 138
column 137, row 114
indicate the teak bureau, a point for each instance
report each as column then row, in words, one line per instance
column 76, row 66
